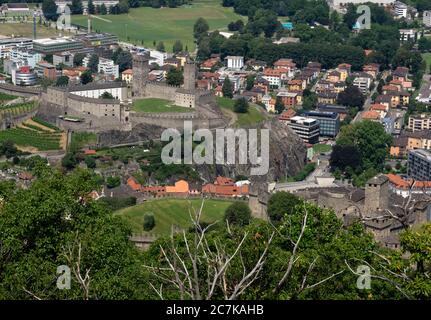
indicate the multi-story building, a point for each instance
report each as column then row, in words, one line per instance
column 127, row 75
column 345, row 3
column 61, row 4
column 235, row 62
column 306, row 128
column 47, row 70
column 419, row 122
column 427, row 18
column 290, row 99
column 329, row 122
column 23, row 77
column 400, row 9
column 7, row 44
column 53, row 45
column 419, row 165
column 409, row 35
column 362, row 80
column 25, row 57
column 98, row 39
column 107, row 66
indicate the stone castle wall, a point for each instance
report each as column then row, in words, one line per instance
column 160, row 91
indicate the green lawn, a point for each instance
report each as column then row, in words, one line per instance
column 164, row 24
column 322, row 148
column 82, row 139
column 168, row 212
column 427, row 58
column 158, row 105
column 253, row 116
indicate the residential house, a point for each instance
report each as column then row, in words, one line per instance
column 326, row 97
column 127, row 76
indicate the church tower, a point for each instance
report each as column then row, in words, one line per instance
column 141, row 68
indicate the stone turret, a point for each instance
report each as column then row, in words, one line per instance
column 376, row 195
column 141, row 68
column 189, row 75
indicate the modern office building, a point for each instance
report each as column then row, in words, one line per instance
column 419, row 165
column 97, row 39
column 7, row 44
column 53, row 45
column 23, row 77
column 306, row 128
column 25, row 57
column 329, row 122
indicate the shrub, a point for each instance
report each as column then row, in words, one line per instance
column 149, row 222
column 112, row 182
column 238, row 213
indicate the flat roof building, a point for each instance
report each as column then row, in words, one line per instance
column 53, row 45
column 419, row 165
column 329, row 122
column 306, row 128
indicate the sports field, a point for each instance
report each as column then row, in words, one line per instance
column 164, row 24
column 168, row 212
column 158, row 105
column 26, row 30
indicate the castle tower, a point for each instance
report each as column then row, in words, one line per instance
column 376, row 195
column 141, row 69
column 189, row 75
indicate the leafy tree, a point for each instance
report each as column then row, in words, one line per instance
column 351, row 97
column 124, row 60
column 345, row 156
column 241, row 106
column 49, row 9
column 279, row 105
column 91, row 8
column 175, row 77
column 200, row 28
column 282, row 203
column 238, row 213
column 149, row 222
column 227, row 88
column 76, row 7
column 250, row 82
column 112, row 182
column 90, row 162
column 69, row 161
column 62, row 81
column 86, row 77
column 93, row 63
column 48, row 225
column 78, row 58
column 106, row 95
column 178, row 46
column 160, row 46
column 103, row 9
column 370, row 139
column 8, row 149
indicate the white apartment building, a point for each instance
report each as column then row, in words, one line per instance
column 108, row 66
column 427, row 18
column 235, row 62
column 25, row 57
column 409, row 34
column 401, row 9
column 7, row 44
column 363, row 83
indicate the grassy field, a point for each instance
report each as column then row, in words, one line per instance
column 164, row 24
column 253, row 116
column 427, row 58
column 26, row 30
column 168, row 212
column 322, row 148
column 82, row 139
column 158, row 105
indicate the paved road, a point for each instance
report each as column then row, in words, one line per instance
column 368, row 102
